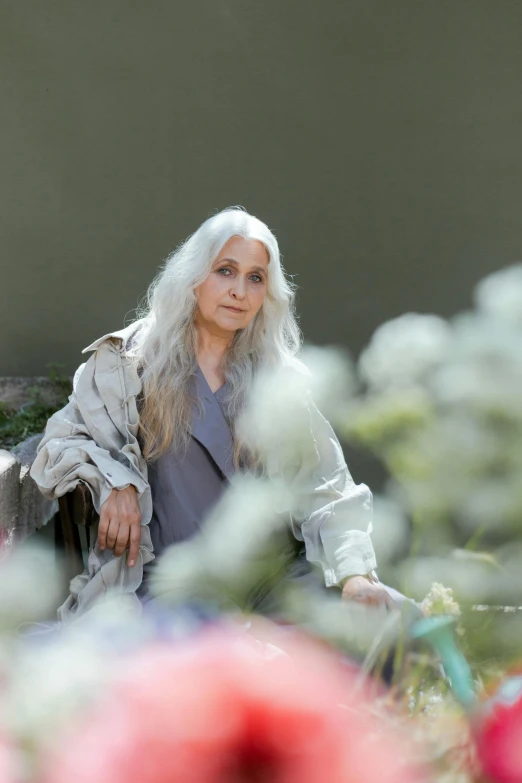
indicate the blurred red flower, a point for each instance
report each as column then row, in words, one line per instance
column 499, row 733
column 227, row 708
column 6, row 763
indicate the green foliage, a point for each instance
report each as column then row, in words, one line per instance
column 17, row 425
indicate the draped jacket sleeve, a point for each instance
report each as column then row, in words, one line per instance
column 68, row 454
column 333, row 514
column 93, row 439
column 329, row 512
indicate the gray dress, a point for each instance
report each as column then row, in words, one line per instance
column 185, row 486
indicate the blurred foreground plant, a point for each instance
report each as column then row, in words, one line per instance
column 441, row 407
column 234, row 705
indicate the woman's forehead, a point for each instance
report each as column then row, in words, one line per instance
column 244, row 251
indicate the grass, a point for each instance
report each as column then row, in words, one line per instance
column 31, row 418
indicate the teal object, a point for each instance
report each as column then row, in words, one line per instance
column 438, row 631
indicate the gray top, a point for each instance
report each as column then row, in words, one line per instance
column 185, row 486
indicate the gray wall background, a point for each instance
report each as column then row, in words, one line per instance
column 379, row 139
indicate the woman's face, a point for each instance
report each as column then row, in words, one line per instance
column 237, row 279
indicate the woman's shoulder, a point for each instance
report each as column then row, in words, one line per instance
column 125, row 336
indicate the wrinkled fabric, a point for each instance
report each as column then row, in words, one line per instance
column 93, row 439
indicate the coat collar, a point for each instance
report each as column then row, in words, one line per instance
column 121, row 334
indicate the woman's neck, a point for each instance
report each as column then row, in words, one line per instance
column 211, row 347
column 211, row 350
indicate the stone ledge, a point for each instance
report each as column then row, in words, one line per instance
column 23, row 508
column 34, row 510
column 9, row 496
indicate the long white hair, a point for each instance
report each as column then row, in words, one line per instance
column 165, row 347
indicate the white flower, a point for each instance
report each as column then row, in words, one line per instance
column 276, row 421
column 494, row 504
column 233, row 546
column 500, row 294
column 390, row 528
column 483, row 369
column 47, row 685
column 440, row 601
column 30, row 584
column 472, row 578
column 333, row 382
column 51, row 675
column 402, row 351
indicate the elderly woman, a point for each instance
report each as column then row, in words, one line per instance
column 150, row 425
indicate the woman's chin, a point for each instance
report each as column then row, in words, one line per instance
column 230, row 325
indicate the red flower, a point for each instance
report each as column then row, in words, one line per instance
column 225, row 708
column 6, row 763
column 499, row 733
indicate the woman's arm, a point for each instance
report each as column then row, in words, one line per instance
column 334, row 515
column 67, row 454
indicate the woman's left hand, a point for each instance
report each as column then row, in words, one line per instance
column 360, row 589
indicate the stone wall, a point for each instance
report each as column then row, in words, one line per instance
column 23, row 508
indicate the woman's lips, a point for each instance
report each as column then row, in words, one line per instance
column 233, row 309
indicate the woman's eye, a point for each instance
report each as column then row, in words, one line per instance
column 254, row 278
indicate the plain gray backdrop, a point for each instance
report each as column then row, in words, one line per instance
column 380, row 140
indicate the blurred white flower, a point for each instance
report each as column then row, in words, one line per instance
column 403, row 350
column 438, row 465
column 333, row 381
column 276, row 420
column 500, row 294
column 493, row 504
column 386, row 416
column 31, row 585
column 473, row 577
column 48, row 683
column 480, row 337
column 440, row 600
column 483, row 368
column 51, row 676
column 510, row 555
column 389, row 528
column 233, row 545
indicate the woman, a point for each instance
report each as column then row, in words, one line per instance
column 150, row 425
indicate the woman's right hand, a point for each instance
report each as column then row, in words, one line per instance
column 120, row 523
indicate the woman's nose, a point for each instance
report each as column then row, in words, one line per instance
column 238, row 290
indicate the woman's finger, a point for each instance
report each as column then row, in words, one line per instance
column 103, row 527
column 112, row 533
column 134, row 547
column 122, row 540
column 372, row 597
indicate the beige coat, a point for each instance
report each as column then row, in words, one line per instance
column 93, row 440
